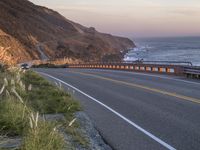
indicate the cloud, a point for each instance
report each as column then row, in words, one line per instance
column 192, row 12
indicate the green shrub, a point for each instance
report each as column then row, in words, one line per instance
column 27, row 93
column 49, row 65
column 46, row 98
column 2, row 68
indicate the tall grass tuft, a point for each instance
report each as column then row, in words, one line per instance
column 42, row 136
column 13, row 120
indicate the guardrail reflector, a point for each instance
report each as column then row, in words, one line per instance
column 142, row 68
column 137, row 68
column 170, row 70
column 162, row 69
column 155, row 69
column 148, row 68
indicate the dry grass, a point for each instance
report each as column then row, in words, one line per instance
column 42, row 136
column 13, row 118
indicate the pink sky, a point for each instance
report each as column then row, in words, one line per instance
column 133, row 18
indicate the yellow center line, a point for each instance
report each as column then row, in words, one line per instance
column 191, row 99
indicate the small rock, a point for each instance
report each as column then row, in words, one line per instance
column 10, row 143
column 54, row 117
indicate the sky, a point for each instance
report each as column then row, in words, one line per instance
column 132, row 18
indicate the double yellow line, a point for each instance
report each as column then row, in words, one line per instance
column 182, row 97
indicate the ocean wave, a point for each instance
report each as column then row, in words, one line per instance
column 142, row 48
column 166, row 50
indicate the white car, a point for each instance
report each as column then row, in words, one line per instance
column 25, row 66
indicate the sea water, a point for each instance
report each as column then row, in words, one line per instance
column 166, row 49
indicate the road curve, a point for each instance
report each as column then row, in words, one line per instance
column 136, row 110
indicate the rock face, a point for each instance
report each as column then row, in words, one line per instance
column 10, row 143
column 87, row 128
column 24, row 25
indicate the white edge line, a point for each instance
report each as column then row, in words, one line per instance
column 116, row 113
column 150, row 75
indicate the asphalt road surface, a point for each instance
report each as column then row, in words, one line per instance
column 136, row 111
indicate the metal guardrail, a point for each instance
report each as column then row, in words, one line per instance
column 193, row 72
column 181, row 63
column 140, row 67
column 164, row 67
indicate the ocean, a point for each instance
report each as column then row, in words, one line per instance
column 166, row 49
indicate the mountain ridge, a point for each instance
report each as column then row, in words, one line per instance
column 24, row 25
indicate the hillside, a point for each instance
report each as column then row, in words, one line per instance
column 24, row 27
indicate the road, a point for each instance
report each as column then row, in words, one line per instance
column 136, row 111
column 40, row 49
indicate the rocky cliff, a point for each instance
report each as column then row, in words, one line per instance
column 29, row 32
